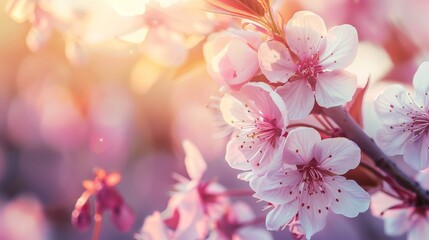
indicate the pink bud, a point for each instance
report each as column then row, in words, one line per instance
column 123, row 217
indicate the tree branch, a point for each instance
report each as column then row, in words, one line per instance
column 355, row 133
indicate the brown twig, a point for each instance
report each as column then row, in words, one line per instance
column 355, row 133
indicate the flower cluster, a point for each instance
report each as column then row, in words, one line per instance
column 270, row 87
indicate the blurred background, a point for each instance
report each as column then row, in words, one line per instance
column 87, row 84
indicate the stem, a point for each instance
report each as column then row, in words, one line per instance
column 355, row 133
column 97, row 228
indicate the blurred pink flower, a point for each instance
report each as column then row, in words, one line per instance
column 259, row 117
column 309, row 184
column 316, row 71
column 400, row 217
column 405, row 120
column 238, row 223
column 231, row 57
column 107, row 199
column 193, row 205
column 23, row 218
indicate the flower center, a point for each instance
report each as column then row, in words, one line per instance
column 309, row 68
column 419, row 124
column 312, row 178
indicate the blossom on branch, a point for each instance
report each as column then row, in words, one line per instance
column 259, row 117
column 309, row 184
column 401, row 217
column 311, row 63
column 405, row 120
column 231, row 57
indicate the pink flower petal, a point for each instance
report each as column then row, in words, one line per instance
column 194, row 161
column 300, row 143
column 392, row 141
column 298, row 97
column 281, row 215
column 335, row 88
column 350, row 198
column 389, row 105
column 337, row 155
column 278, row 188
column 276, row 62
column 304, row 33
column 313, row 212
column 398, row 222
column 340, row 47
column 420, row 230
column 416, row 154
column 421, row 80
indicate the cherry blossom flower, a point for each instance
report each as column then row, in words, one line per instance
column 405, row 120
column 107, row 199
column 400, row 218
column 315, row 67
column 309, row 184
column 231, row 57
column 238, row 223
column 259, row 117
column 194, row 204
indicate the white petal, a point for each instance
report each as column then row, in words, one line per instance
column 392, row 141
column 276, row 62
column 337, row 155
column 194, row 162
column 281, row 215
column 298, row 97
column 420, row 230
column 335, row 88
column 300, row 144
column 350, row 198
column 252, row 233
column 423, row 178
column 278, row 188
column 304, row 33
column 391, row 105
column 397, row 222
column 243, row 60
column 154, row 228
column 416, row 154
column 235, row 157
column 340, row 49
column 380, row 202
column 421, row 79
column 313, row 212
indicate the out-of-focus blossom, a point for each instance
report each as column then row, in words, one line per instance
column 401, row 217
column 405, row 120
column 107, row 199
column 23, row 218
column 316, row 69
column 79, row 22
column 309, row 184
column 260, row 118
column 192, row 207
column 231, row 57
column 239, row 223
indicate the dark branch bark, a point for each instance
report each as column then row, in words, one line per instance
column 355, row 133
